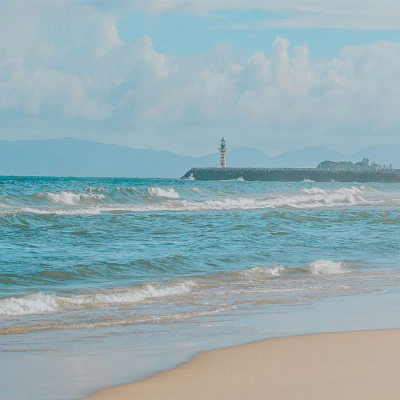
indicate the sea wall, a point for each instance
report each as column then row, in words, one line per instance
column 293, row 174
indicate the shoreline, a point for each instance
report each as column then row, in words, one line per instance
column 339, row 365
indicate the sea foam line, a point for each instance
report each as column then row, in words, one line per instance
column 42, row 303
column 304, row 199
column 163, row 192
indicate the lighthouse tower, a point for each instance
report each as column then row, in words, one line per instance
column 222, row 149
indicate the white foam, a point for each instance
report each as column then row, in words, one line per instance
column 54, row 211
column 166, row 192
column 41, row 303
column 307, row 198
column 326, row 267
column 37, row 303
column 69, row 203
column 262, row 272
column 70, row 198
column 313, row 191
column 345, row 196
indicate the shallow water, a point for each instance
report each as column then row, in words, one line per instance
column 103, row 281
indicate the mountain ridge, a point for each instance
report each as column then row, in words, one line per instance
column 80, row 157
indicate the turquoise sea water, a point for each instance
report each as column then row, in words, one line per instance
column 104, row 281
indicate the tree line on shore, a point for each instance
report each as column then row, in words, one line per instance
column 364, row 165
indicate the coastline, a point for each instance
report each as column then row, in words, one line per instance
column 344, row 365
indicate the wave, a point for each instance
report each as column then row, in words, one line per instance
column 70, row 198
column 166, row 192
column 168, row 199
column 263, row 272
column 42, row 303
column 318, row 267
column 46, row 211
column 326, row 267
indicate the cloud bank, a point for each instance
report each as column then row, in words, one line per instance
column 65, row 70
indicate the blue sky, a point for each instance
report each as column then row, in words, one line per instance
column 178, row 75
column 185, row 34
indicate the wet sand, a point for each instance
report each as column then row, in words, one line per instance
column 353, row 365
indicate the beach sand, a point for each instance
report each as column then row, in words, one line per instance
column 354, row 365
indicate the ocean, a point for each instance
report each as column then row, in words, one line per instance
column 107, row 280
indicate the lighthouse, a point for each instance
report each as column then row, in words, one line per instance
column 222, row 149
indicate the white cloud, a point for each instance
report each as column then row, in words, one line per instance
column 107, row 34
column 352, row 96
column 83, row 79
column 157, row 62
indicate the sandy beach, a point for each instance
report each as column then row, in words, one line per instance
column 351, row 365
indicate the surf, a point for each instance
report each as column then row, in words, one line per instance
column 154, row 198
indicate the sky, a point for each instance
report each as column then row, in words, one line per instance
column 178, row 75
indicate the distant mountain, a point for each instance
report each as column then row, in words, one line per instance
column 239, row 157
column 75, row 157
column 307, row 157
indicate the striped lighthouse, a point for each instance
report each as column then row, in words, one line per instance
column 222, row 150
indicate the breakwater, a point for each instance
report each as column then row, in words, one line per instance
column 293, row 174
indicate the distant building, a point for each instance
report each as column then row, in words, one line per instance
column 222, row 149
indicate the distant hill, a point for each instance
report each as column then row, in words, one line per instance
column 308, row 157
column 75, row 157
column 239, row 157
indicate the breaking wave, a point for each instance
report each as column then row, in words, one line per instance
column 70, row 198
column 263, row 272
column 40, row 303
column 319, row 267
column 166, row 192
column 96, row 201
column 326, row 267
